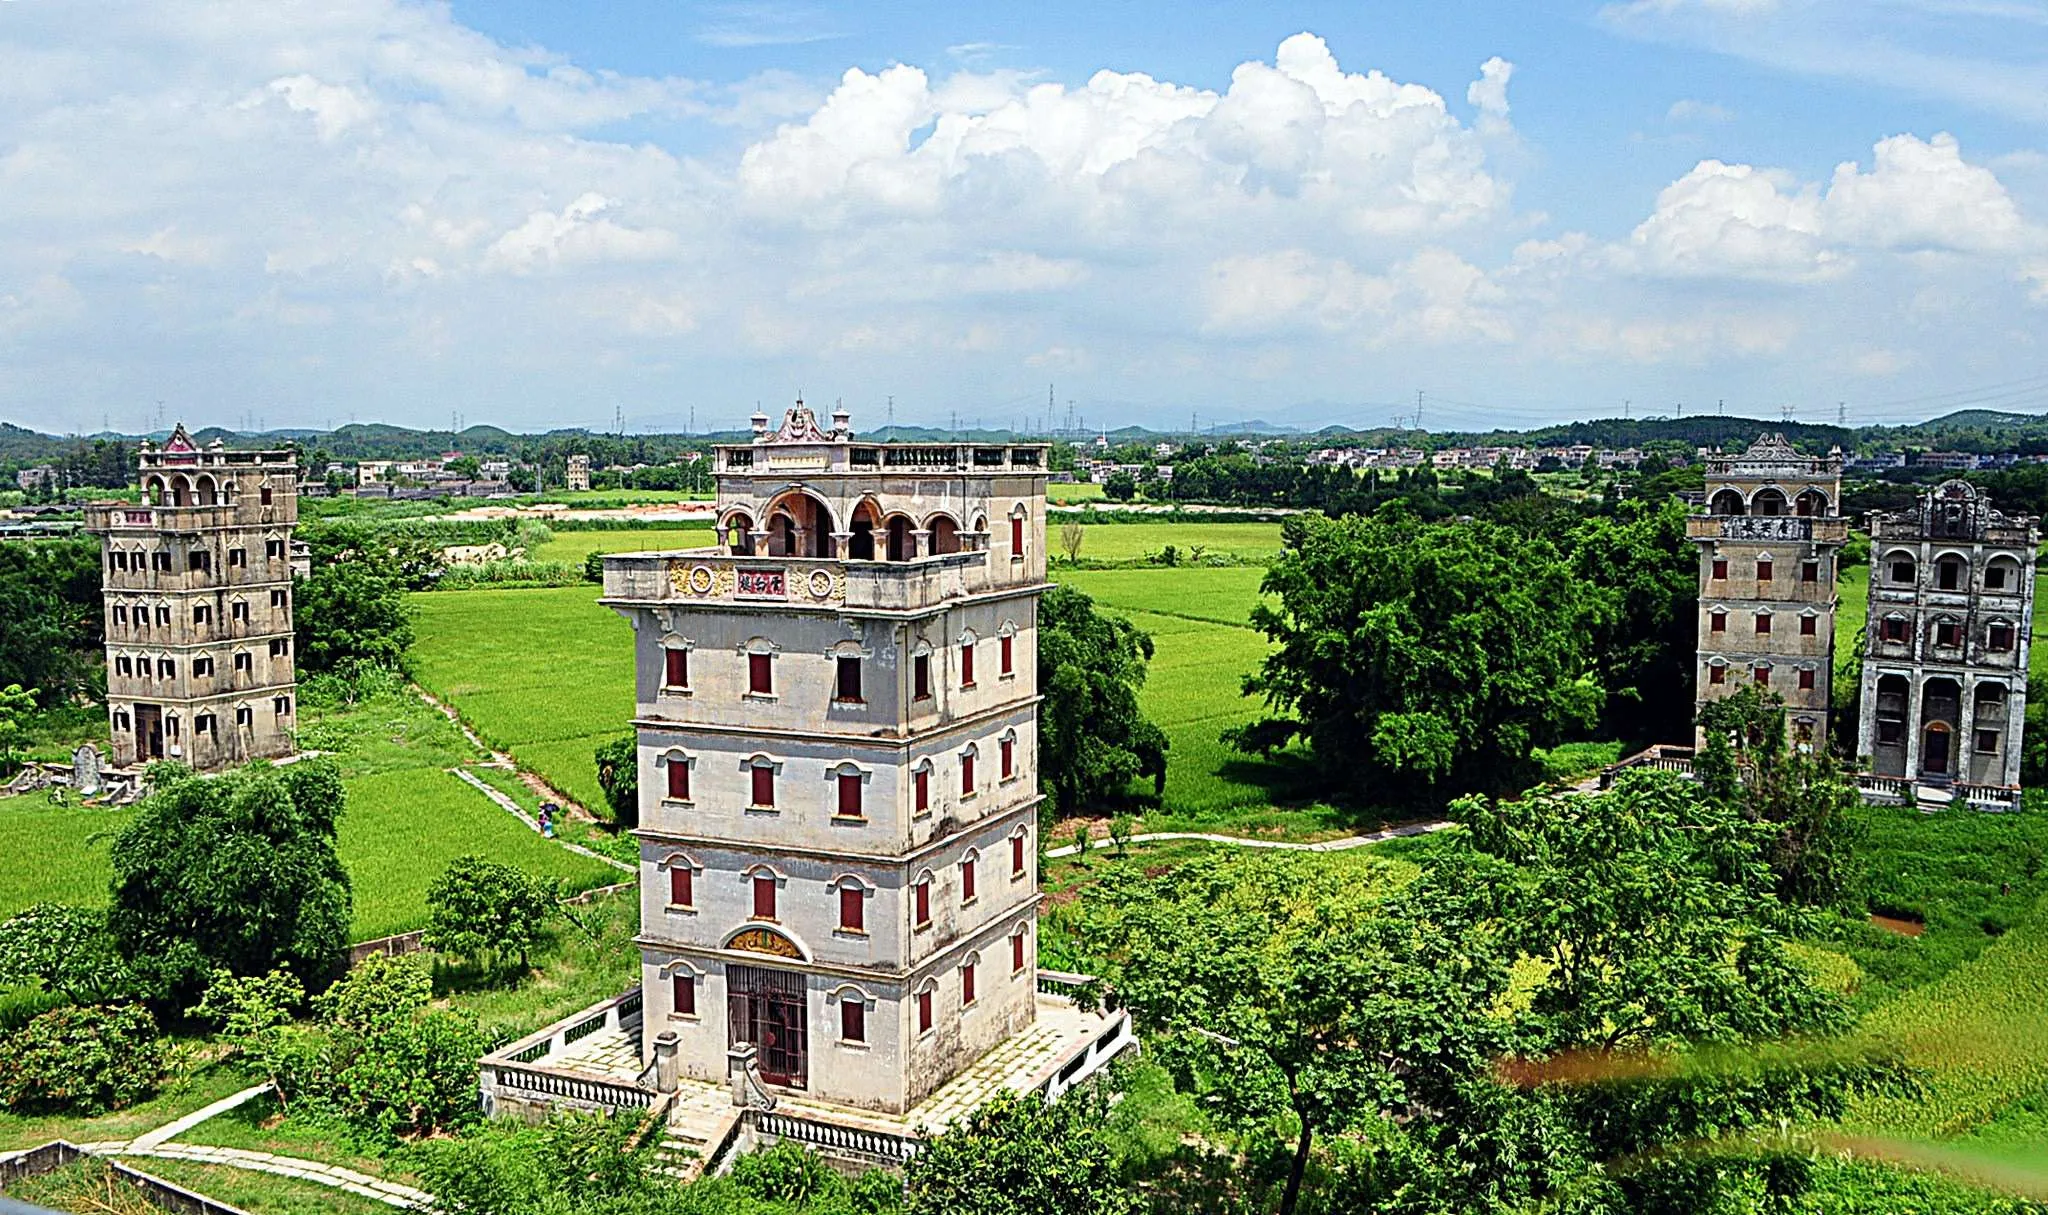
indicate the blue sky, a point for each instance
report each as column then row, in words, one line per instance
column 539, row 214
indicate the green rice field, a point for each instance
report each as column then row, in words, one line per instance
column 575, row 546
column 1135, row 541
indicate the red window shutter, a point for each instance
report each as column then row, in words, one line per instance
column 764, row 785
column 1720, row 568
column 1017, row 952
column 764, row 897
column 1763, row 676
column 678, row 673
column 1009, row 755
column 1717, row 674
column 1763, row 571
column 1718, row 622
column 1008, row 653
column 967, row 984
column 686, row 995
column 760, row 678
column 678, row 779
column 1763, row 622
column 1809, row 571
column 966, row 664
column 1016, row 535
column 679, row 891
column 967, row 774
column 966, row 879
column 924, row 789
column 1016, row 854
column 924, row 901
column 1808, row 626
column 853, row 1019
column 921, row 684
column 924, row 1011
column 849, row 795
column 852, row 909
column 1806, row 681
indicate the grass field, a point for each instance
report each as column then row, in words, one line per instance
column 1073, row 491
column 406, row 819
column 1135, row 541
column 575, row 546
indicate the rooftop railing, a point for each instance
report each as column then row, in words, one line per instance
column 716, row 576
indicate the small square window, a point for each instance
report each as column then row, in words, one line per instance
column 263, row 495
column 277, row 599
column 279, row 647
column 166, row 669
column 1999, row 637
column 202, row 666
column 1717, row 622
column 273, row 549
column 1809, row 625
column 1894, row 629
column 1948, row 634
column 196, row 560
column 1763, row 571
column 124, row 666
column 853, row 1019
column 237, row 558
column 201, row 614
column 1720, row 568
column 1890, row 731
column 1017, row 952
column 120, row 614
column 1763, row 622
column 281, row 705
column 1994, row 578
column 1809, row 571
column 244, row 661
column 238, row 610
column 1763, row 677
column 1902, row 571
column 203, row 724
column 1717, row 674
column 244, row 716
column 1987, row 742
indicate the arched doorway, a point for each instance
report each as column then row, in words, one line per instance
column 902, row 546
column 860, row 545
column 1812, row 504
column 181, row 492
column 1726, row 502
column 738, row 532
column 799, row 526
column 1940, row 716
column 1767, row 502
column 1937, row 751
column 945, row 535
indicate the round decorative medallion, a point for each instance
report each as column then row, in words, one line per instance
column 821, row 584
column 700, row 580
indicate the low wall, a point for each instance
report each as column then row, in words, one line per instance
column 53, row 1156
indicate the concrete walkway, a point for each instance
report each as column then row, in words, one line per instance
column 171, row 1130
column 1342, row 845
column 505, row 803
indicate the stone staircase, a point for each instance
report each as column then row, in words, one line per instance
column 700, row 1128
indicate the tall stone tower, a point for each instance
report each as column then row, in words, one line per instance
column 198, row 601
column 1950, row 627
column 837, row 719
column 1768, row 543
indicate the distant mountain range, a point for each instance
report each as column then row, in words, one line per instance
column 1970, row 429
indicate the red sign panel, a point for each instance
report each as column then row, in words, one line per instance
column 762, row 582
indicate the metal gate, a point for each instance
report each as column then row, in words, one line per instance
column 769, row 1009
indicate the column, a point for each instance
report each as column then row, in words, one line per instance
column 1913, row 724
column 840, row 543
column 1866, row 715
column 1966, row 734
column 921, row 540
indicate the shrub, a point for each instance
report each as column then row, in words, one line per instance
column 82, row 1059
column 389, row 1067
column 480, row 906
column 618, row 774
column 786, row 1172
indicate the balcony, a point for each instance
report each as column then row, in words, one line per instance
column 860, row 459
column 713, row 576
column 131, row 517
column 1769, row 528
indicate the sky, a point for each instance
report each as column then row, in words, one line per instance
column 656, row 214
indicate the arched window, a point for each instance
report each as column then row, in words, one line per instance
column 1019, row 516
column 921, row 900
column 1717, row 620
column 921, row 787
column 853, row 893
column 854, row 1005
column 2002, row 574
column 683, row 979
column 766, row 885
column 1006, row 650
column 1767, row 502
column 945, row 534
column 967, row 758
column 1727, row 502
column 1006, row 746
column 1901, row 568
column 761, row 772
column 922, row 997
column 1951, row 572
column 969, row 965
column 970, row 870
column 849, row 787
column 676, row 766
column 1020, row 947
column 1020, row 849
column 682, row 880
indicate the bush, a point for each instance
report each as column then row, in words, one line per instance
column 480, row 906
column 786, row 1172
column 82, row 1059
column 618, row 774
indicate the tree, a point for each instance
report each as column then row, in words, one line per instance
column 390, row 1066
column 1291, row 992
column 1121, row 487
column 66, row 950
column 51, row 618
column 81, row 1059
column 1646, row 573
column 236, row 872
column 1801, row 797
column 254, row 1015
column 1021, row 1156
column 480, row 906
column 352, row 610
column 16, row 706
column 1092, row 736
column 1420, row 654
column 618, row 774
column 1071, row 534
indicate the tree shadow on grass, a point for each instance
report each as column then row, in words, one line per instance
column 457, row 975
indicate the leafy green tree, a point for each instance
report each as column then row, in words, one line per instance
column 1800, row 796
column 81, row 1059
column 1288, row 991
column 51, row 618
column 235, row 872
column 16, row 707
column 254, row 1014
column 479, row 906
column 1421, row 654
column 352, row 610
column 1120, row 487
column 66, row 950
column 1638, row 562
column 1020, row 1156
column 618, row 774
column 390, row 1066
column 1093, row 739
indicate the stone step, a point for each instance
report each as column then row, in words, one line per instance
column 689, row 1139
